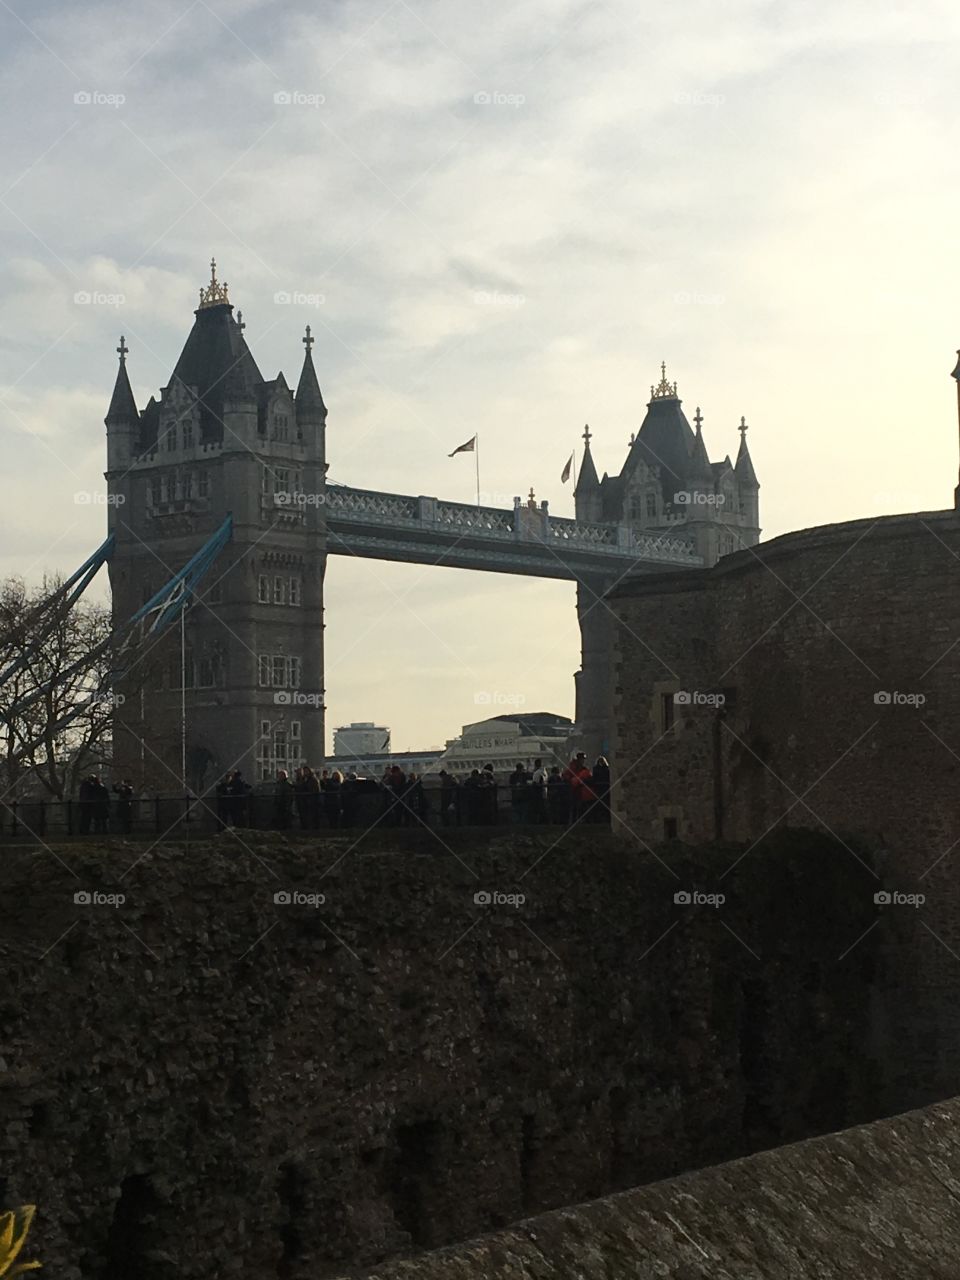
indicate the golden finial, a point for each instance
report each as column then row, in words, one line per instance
column 215, row 294
column 664, row 389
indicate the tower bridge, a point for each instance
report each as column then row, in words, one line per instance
column 526, row 540
column 223, row 440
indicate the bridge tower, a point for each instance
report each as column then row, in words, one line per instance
column 221, row 440
column 667, row 485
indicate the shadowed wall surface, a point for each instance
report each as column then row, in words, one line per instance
column 206, row 1080
column 879, row 1202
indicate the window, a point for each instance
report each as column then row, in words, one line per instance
column 281, row 427
column 666, row 711
column 156, row 496
column 294, row 730
column 293, row 591
column 205, row 678
column 279, row 590
column 263, row 589
column 171, row 439
column 165, row 488
column 278, row 671
column 651, row 506
column 187, row 435
column 203, row 484
column 281, row 480
column 264, row 480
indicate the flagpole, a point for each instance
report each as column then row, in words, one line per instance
column 477, row 452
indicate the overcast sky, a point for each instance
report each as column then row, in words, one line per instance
column 512, row 214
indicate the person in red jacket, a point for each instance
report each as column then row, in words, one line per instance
column 577, row 776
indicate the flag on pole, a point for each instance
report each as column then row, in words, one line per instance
column 469, row 447
column 565, row 476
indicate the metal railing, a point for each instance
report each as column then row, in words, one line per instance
column 357, row 807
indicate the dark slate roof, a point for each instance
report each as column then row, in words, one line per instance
column 123, row 407
column 665, row 440
column 216, row 361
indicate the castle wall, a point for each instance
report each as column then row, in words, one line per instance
column 202, row 1081
column 835, row 651
column 870, row 1202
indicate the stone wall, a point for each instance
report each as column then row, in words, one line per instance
column 821, row 683
column 202, row 1081
column 881, row 1202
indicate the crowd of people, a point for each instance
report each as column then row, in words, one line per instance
column 539, row 795
column 312, row 799
column 94, row 806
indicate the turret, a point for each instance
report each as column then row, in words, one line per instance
column 123, row 417
column 311, row 411
column 747, row 482
column 586, row 495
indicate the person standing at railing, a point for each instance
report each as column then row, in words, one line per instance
column 282, row 801
column 124, row 793
column 86, row 800
column 101, row 807
column 519, row 793
column 333, row 800
column 577, row 776
column 448, row 798
column 538, row 793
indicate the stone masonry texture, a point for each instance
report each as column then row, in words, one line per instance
column 881, row 1202
column 203, row 1081
column 836, row 653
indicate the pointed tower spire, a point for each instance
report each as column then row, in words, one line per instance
column 309, row 401
column 700, row 468
column 744, row 468
column 123, row 408
column 587, row 481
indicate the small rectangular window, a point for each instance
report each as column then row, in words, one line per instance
column 263, row 589
column 666, row 708
column 187, row 435
column 264, row 728
column 203, row 484
column 293, row 673
column 279, row 590
column 171, row 439
column 651, row 506
column 295, row 730
column 293, row 592
column 263, row 671
column 278, row 671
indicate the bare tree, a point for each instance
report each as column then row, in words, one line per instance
column 39, row 754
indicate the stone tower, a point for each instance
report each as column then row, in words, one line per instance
column 666, row 485
column 221, row 441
